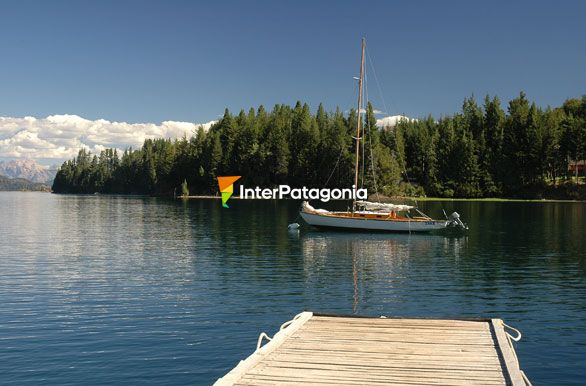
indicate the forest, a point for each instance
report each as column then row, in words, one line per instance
column 21, row 184
column 482, row 151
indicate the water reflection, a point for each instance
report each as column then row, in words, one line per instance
column 101, row 289
column 370, row 256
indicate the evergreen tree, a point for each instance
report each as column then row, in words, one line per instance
column 493, row 165
column 516, row 145
column 446, row 159
column 184, row 188
column 276, row 147
column 478, row 152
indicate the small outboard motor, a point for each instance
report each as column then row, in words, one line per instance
column 454, row 221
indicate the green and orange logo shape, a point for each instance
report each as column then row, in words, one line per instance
column 226, row 185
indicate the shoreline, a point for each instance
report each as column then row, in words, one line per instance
column 389, row 199
column 490, row 199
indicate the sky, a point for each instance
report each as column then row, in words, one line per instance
column 112, row 73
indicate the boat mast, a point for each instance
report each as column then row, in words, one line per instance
column 359, row 123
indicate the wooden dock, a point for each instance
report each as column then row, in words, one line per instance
column 336, row 350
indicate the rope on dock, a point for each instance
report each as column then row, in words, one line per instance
column 264, row 335
column 286, row 324
column 510, row 339
column 515, row 338
column 331, row 333
column 287, row 329
column 260, row 338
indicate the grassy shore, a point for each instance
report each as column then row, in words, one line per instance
column 493, row 199
column 406, row 199
column 382, row 198
column 563, row 192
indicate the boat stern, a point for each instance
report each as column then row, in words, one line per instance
column 455, row 222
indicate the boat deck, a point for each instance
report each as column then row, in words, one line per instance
column 335, row 350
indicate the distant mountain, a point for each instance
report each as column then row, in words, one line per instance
column 29, row 170
column 20, row 184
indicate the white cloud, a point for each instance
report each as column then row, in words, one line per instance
column 61, row 136
column 391, row 121
column 375, row 111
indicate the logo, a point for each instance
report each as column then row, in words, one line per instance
column 304, row 193
column 226, row 185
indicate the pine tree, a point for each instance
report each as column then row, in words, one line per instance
column 473, row 153
column 516, row 145
column 184, row 188
column 494, row 118
column 446, row 159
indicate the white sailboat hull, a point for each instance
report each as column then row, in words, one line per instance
column 349, row 223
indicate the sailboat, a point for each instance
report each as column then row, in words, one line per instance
column 375, row 216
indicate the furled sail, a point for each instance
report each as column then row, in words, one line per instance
column 309, row 208
column 379, row 206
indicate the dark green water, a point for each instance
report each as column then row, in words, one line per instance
column 122, row 290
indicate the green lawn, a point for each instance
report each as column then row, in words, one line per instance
column 495, row 199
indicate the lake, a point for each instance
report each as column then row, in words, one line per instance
column 101, row 290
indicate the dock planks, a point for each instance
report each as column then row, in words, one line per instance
column 335, row 350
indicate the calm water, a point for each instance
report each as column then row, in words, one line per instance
column 121, row 290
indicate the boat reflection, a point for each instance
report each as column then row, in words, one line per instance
column 368, row 257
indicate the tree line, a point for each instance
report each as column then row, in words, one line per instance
column 482, row 151
column 21, row 184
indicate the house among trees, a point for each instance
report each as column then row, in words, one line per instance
column 576, row 166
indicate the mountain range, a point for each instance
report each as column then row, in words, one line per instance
column 29, row 170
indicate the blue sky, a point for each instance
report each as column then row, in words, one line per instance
column 143, row 61
column 146, row 61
